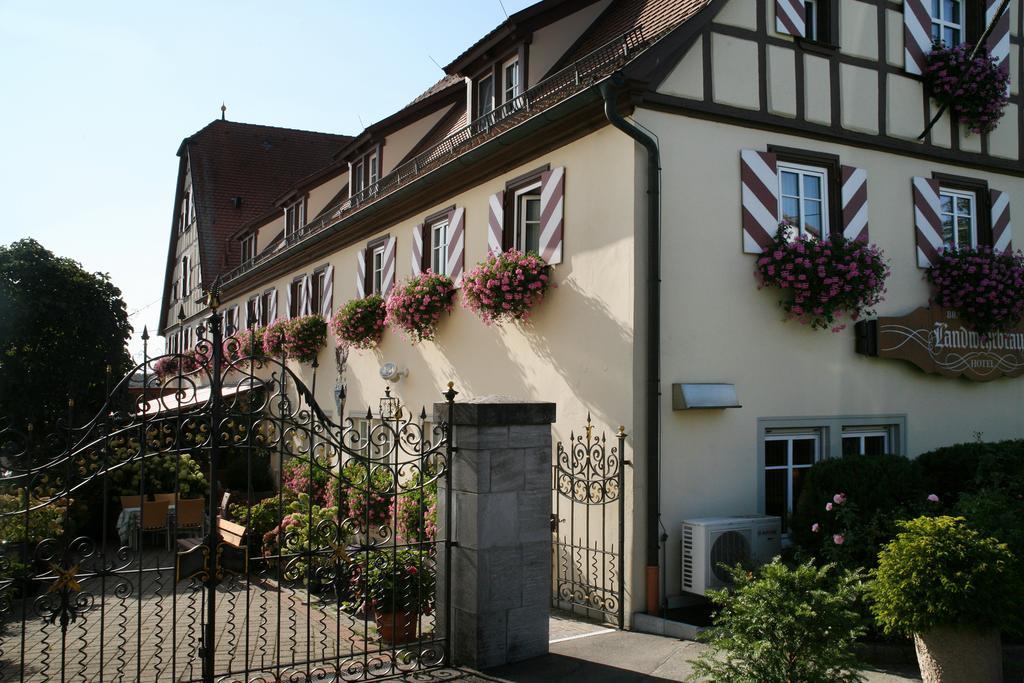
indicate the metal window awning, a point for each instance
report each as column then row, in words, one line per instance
column 693, row 396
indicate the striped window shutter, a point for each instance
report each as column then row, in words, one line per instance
column 790, row 17
column 999, row 40
column 456, row 255
column 917, row 35
column 855, row 203
column 759, row 180
column 1002, row 237
column 327, row 296
column 272, row 314
column 388, row 278
column 416, row 261
column 306, row 296
column 243, row 319
column 552, row 194
column 496, row 222
column 288, row 302
column 361, row 273
column 927, row 221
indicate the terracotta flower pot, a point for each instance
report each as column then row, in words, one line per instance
column 947, row 655
column 397, row 628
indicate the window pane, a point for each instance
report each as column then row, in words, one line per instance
column 963, row 205
column 951, row 11
column 812, row 187
column 532, row 209
column 946, row 203
column 963, row 231
column 935, row 8
column 804, row 451
column 875, row 445
column 947, row 230
column 851, row 445
column 812, row 219
column 775, row 493
column 791, row 210
column 775, row 453
column 790, row 183
column 485, row 95
column 798, row 484
column 810, row 19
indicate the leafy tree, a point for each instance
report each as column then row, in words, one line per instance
column 60, row 327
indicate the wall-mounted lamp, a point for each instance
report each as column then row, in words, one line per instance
column 704, row 395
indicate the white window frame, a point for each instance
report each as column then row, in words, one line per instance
column 956, row 215
column 509, row 94
column 802, row 171
column 317, row 293
column 861, row 433
column 943, row 23
column 295, row 305
column 356, row 182
column 294, row 217
column 519, row 227
column 790, row 437
column 479, row 104
column 373, row 168
column 439, row 247
column 265, row 300
column 252, row 310
column 248, row 247
column 377, row 270
column 186, row 276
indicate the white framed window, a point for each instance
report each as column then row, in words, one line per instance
column 316, row 294
column 231, row 320
column 266, row 308
column 510, row 80
column 527, row 218
column 248, row 246
column 357, row 178
column 439, row 247
column 866, row 441
column 295, row 292
column 803, row 198
column 294, row 217
column 485, row 95
column 187, row 210
column 377, row 270
column 787, row 457
column 186, row 279
column 948, row 22
column 374, row 168
column 959, row 215
column 252, row 311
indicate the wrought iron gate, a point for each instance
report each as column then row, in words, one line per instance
column 588, row 526
column 333, row 579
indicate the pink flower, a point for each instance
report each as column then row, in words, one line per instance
column 828, row 507
column 839, row 498
column 933, row 498
column 838, row 539
column 815, row 527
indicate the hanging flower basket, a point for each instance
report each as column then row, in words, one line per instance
column 975, row 90
column 172, row 365
column 823, row 279
column 245, row 344
column 304, row 337
column 360, row 322
column 984, row 287
column 415, row 306
column 506, row 286
column 274, row 337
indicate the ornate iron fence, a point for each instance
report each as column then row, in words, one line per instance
column 588, row 526
column 332, row 577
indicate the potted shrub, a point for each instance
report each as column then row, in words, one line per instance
column 506, row 286
column 304, row 337
column 985, row 288
column 274, row 337
column 360, row 322
column 415, row 306
column 953, row 589
column 399, row 587
column 975, row 90
column 823, row 279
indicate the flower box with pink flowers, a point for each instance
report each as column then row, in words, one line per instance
column 415, row 306
column 506, row 286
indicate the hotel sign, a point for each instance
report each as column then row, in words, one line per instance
column 937, row 341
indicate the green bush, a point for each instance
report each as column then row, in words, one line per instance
column 794, row 625
column 161, row 473
column 245, row 473
column 998, row 513
column 260, row 518
column 940, row 572
column 880, row 489
column 951, row 470
column 309, row 544
column 45, row 521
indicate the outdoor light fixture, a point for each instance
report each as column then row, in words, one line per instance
column 391, row 373
column 699, row 396
column 390, row 408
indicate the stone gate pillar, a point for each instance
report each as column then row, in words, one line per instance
column 501, row 530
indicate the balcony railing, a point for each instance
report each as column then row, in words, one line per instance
column 564, row 83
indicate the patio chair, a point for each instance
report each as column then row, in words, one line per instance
column 169, row 497
column 189, row 514
column 154, row 519
column 223, row 510
column 131, row 501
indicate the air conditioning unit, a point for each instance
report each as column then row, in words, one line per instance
column 709, row 542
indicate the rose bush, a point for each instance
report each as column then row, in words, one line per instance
column 415, row 306
column 506, row 286
column 984, row 287
column 304, row 337
column 824, row 279
column 975, row 90
column 360, row 322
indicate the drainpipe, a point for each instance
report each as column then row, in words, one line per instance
column 652, row 355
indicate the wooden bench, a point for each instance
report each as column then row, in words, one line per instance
column 231, row 533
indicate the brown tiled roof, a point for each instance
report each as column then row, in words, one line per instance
column 655, row 16
column 257, row 164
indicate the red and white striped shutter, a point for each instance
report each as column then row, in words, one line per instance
column 388, row 278
column 455, row 258
column 927, row 221
column 917, row 35
column 552, row 195
column 327, row 296
column 855, row 204
column 759, row 181
column 998, row 43
column 417, row 249
column 1002, row 237
column 307, row 296
column 496, row 222
column 272, row 313
column 790, row 17
column 361, row 273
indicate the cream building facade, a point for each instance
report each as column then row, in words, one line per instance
column 714, row 84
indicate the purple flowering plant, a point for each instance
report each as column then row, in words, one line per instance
column 823, row 279
column 304, row 337
column 415, row 306
column 506, row 286
column 360, row 322
column 975, row 90
column 985, row 287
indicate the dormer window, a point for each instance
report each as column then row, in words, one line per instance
column 485, row 95
column 357, row 177
column 294, row 217
column 373, row 169
column 510, row 80
column 248, row 245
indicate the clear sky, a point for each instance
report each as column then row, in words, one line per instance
column 95, row 98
